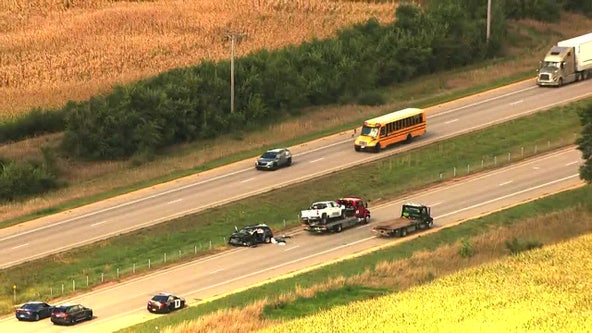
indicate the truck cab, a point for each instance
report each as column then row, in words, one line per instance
column 557, row 68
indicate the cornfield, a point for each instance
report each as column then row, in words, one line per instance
column 52, row 51
column 545, row 290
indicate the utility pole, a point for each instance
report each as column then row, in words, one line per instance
column 234, row 37
column 488, row 19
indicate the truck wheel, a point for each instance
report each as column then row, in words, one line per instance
column 338, row 228
column 430, row 224
column 403, row 232
column 367, row 219
column 357, row 148
column 324, row 219
column 377, row 148
column 409, row 138
column 560, row 82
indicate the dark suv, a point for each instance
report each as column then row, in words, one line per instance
column 70, row 314
column 251, row 235
column 274, row 159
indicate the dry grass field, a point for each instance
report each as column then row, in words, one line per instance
column 445, row 296
column 50, row 54
column 86, row 179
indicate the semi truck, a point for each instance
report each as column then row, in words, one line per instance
column 413, row 217
column 568, row 61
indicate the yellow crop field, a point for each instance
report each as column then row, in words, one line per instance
column 52, row 51
column 545, row 290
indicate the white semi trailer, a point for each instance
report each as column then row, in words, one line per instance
column 568, row 61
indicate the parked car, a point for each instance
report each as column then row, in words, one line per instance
column 251, row 235
column 69, row 314
column 274, row 159
column 33, row 311
column 165, row 303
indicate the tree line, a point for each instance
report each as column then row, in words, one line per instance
column 188, row 104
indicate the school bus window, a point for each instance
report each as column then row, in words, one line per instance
column 382, row 131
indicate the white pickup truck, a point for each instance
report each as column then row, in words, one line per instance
column 322, row 211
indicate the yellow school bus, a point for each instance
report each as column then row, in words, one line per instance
column 380, row 132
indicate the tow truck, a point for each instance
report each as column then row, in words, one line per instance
column 413, row 217
column 355, row 212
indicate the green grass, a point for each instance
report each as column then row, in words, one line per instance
column 191, row 235
column 577, row 199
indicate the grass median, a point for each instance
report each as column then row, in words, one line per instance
column 186, row 238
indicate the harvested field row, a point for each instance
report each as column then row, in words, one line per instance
column 50, row 54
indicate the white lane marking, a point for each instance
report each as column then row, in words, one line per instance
column 363, row 226
column 436, row 204
column 451, row 121
column 174, row 201
column 508, row 195
column 572, row 163
column 19, row 246
column 292, row 248
column 506, row 183
column 247, row 180
column 318, row 159
column 216, row 271
column 536, row 167
column 484, row 101
column 98, row 223
column 517, row 102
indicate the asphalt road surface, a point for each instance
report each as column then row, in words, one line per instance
column 120, row 305
column 156, row 204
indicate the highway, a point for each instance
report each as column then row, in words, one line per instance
column 120, row 305
column 84, row 225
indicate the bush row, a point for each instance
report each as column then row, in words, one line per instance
column 191, row 103
column 19, row 179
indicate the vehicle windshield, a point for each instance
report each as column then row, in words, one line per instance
column 411, row 211
column 370, row 131
column 160, row 298
column 551, row 64
column 269, row 154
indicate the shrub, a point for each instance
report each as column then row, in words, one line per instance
column 515, row 246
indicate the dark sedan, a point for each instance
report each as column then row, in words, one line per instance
column 70, row 314
column 33, row 311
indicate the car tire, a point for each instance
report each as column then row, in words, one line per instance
column 289, row 162
column 36, row 317
column 267, row 239
column 338, row 228
column 403, row 232
column 90, row 316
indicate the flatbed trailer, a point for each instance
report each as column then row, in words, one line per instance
column 413, row 217
column 333, row 225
